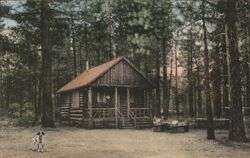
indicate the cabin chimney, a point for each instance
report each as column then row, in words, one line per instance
column 87, row 65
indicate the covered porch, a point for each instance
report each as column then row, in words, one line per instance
column 124, row 106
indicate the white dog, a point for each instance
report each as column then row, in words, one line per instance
column 38, row 141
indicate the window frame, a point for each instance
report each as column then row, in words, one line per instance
column 76, row 99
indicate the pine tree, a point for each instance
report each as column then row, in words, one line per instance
column 236, row 129
column 210, row 126
column 47, row 107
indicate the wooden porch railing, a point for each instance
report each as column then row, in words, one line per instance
column 140, row 112
column 121, row 116
column 103, row 113
column 132, row 115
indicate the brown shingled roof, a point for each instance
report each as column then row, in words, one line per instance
column 87, row 77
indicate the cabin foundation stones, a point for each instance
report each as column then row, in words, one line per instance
column 112, row 95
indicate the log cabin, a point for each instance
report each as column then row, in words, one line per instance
column 112, row 95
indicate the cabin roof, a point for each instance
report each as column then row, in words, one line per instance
column 89, row 76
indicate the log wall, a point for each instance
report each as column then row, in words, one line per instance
column 72, row 115
column 64, row 109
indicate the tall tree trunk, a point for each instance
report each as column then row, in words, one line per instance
column 199, row 88
column 86, row 45
column 39, row 102
column 98, row 56
column 236, row 129
column 165, row 75
column 157, row 85
column 47, row 107
column 170, row 80
column 80, row 58
column 112, row 51
column 190, row 77
column 165, row 84
column 35, row 97
column 225, row 74
column 217, row 81
column 74, row 47
column 210, row 126
column 1, row 89
column 176, row 79
column 195, row 98
column 247, row 67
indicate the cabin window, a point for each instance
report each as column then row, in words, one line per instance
column 66, row 100
column 75, row 97
column 101, row 97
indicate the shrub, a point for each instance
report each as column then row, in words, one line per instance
column 14, row 110
column 27, row 106
column 28, row 118
column 25, row 118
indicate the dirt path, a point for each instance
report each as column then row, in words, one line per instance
column 80, row 143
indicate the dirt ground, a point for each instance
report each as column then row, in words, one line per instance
column 70, row 142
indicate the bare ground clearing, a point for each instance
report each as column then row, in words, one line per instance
column 70, row 142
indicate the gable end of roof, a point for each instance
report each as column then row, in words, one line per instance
column 91, row 75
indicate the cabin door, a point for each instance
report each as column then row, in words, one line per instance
column 123, row 101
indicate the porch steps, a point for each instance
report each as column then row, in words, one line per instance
column 141, row 123
column 124, row 111
column 127, row 124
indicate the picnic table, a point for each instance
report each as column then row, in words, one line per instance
column 172, row 125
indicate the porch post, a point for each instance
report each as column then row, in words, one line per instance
column 90, row 123
column 70, row 105
column 128, row 102
column 90, row 102
column 151, row 102
column 147, row 100
column 116, row 108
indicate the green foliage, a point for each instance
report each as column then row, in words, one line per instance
column 27, row 106
column 102, row 28
column 14, row 110
column 22, row 115
column 27, row 119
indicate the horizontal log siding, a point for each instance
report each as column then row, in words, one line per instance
column 64, row 114
column 76, row 114
column 64, row 107
column 71, row 115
